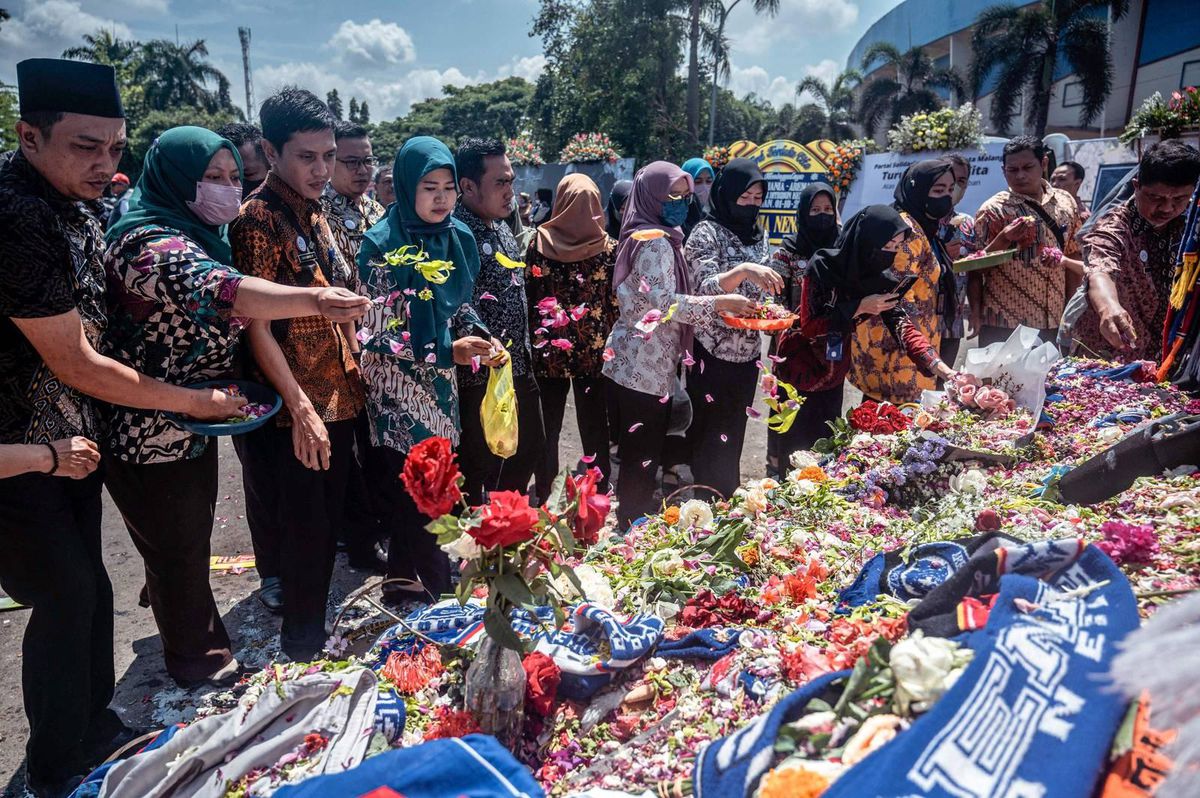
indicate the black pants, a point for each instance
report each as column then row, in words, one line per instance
column 258, row 486
column 718, row 428
column 413, row 553
column 990, row 335
column 50, row 560
column 484, row 471
column 811, row 424
column 640, row 450
column 591, row 414
column 168, row 509
column 362, row 519
column 309, row 514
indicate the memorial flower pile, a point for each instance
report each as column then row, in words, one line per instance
column 522, row 151
column 717, row 157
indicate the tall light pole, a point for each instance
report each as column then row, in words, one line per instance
column 244, row 36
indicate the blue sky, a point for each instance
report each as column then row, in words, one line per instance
column 396, row 52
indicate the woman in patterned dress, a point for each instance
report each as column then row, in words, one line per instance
column 176, row 309
column 658, row 308
column 571, row 304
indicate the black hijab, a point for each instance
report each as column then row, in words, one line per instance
column 616, row 204
column 804, row 242
column 735, row 179
column 847, row 266
column 912, row 192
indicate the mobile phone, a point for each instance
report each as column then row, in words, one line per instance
column 905, row 285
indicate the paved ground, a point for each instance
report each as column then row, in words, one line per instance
column 145, row 695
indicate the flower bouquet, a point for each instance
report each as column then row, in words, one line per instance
column 947, row 129
column 522, row 151
column 589, row 148
column 717, row 157
column 1166, row 118
column 844, row 163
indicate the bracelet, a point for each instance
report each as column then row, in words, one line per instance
column 54, row 457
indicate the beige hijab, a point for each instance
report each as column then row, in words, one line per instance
column 575, row 230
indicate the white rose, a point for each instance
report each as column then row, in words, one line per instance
column 1109, row 434
column 802, row 458
column 596, row 588
column 924, row 668
column 666, row 562
column 463, row 547
column 970, row 481
column 755, row 501
column 695, row 513
column 804, row 486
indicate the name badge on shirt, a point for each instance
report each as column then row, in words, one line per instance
column 835, row 348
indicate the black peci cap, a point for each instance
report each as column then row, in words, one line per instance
column 56, row 85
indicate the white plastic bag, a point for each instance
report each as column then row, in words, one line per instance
column 1019, row 366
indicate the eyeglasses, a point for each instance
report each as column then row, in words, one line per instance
column 357, row 164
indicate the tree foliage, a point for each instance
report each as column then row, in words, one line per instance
column 497, row 110
column 334, row 102
column 145, row 130
column 1020, row 46
column 835, row 103
column 907, row 87
column 8, row 116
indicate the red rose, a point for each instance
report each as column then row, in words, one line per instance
column 863, row 417
column 593, row 506
column 431, row 477
column 542, row 678
column 987, row 521
column 507, row 519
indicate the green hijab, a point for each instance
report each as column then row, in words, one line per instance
column 450, row 239
column 174, row 165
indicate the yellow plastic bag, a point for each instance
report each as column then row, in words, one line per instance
column 498, row 413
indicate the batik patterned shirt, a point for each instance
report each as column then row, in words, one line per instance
column 170, row 309
column 50, row 264
column 647, row 361
column 1141, row 262
column 283, row 237
column 499, row 294
column 710, row 250
column 1025, row 290
column 349, row 219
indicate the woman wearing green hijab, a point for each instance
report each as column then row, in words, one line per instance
column 176, row 308
column 420, row 324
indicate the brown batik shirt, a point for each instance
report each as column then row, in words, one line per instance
column 283, row 237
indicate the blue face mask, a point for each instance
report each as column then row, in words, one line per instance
column 674, row 212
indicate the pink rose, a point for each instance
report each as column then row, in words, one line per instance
column 967, row 394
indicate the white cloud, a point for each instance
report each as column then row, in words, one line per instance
column 152, row 6
column 529, row 67
column 777, row 90
column 44, row 28
column 826, row 72
column 374, row 44
column 797, row 21
column 387, row 99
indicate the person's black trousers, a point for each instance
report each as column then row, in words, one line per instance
column 258, row 486
column 484, row 471
column 168, row 509
column 311, row 508
column 413, row 552
column 644, row 422
column 718, row 428
column 591, row 415
column 50, row 560
column 811, row 425
column 363, row 518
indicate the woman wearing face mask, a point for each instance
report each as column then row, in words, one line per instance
column 176, row 308
column 879, row 367
column 846, row 288
column 816, row 228
column 727, row 252
column 615, row 207
column 701, row 203
column 658, row 308
column 412, row 345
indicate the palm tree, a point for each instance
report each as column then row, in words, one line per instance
column 1022, row 45
column 720, row 10
column 179, row 75
column 103, row 47
column 835, row 102
column 886, row 98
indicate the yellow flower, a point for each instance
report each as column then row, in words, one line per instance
column 425, row 294
column 508, row 262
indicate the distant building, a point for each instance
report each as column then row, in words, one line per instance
column 1155, row 47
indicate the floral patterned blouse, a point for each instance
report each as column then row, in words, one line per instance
column 645, row 359
column 712, row 249
column 791, row 268
column 586, row 285
column 880, row 366
column 170, row 310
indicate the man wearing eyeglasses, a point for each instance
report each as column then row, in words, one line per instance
column 348, row 209
column 350, row 213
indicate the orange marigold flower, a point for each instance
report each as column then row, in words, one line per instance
column 793, row 782
column 813, row 473
column 671, row 515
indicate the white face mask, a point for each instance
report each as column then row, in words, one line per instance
column 216, row 205
column 702, row 191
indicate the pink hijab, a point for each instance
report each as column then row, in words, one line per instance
column 643, row 211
